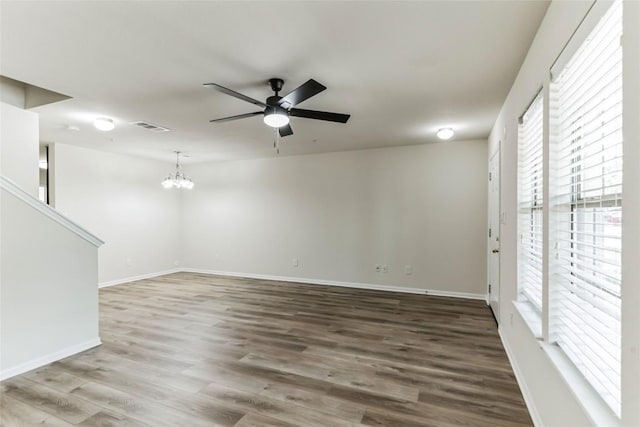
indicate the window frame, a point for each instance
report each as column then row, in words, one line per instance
column 532, row 215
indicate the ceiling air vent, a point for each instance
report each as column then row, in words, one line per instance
column 151, row 127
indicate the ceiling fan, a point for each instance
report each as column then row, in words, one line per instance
column 278, row 109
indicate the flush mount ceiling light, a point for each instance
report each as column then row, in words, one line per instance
column 104, row 124
column 276, row 117
column 445, row 133
column 177, row 179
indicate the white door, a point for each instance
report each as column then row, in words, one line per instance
column 494, row 234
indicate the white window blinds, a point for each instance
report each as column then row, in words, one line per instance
column 530, row 184
column 586, row 200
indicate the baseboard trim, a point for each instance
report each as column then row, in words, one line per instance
column 49, row 358
column 357, row 285
column 526, row 393
column 139, row 277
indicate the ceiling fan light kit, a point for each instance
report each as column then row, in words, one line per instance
column 276, row 117
column 277, row 109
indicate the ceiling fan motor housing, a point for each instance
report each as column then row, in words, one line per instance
column 274, row 100
column 275, row 109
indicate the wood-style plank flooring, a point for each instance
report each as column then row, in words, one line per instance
column 198, row 350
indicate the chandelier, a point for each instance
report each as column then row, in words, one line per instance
column 177, row 179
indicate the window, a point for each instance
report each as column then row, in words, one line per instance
column 586, row 214
column 530, row 185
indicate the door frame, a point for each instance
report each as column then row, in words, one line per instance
column 495, row 211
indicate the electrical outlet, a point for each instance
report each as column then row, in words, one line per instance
column 378, row 268
column 385, row 268
column 129, row 262
column 294, row 262
column 408, row 270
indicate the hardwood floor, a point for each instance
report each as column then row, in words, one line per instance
column 198, row 350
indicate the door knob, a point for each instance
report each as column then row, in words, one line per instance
column 495, row 251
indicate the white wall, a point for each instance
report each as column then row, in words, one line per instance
column 553, row 403
column 120, row 199
column 631, row 216
column 48, row 292
column 341, row 213
column 19, row 147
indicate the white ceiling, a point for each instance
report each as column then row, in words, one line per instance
column 401, row 69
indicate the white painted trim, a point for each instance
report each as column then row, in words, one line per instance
column 49, row 358
column 526, row 393
column 341, row 284
column 451, row 294
column 140, row 277
column 531, row 316
column 13, row 189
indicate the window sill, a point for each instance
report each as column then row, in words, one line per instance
column 531, row 317
column 593, row 405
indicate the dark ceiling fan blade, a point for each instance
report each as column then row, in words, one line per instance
column 235, row 94
column 302, row 93
column 285, row 130
column 319, row 115
column 239, row 116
